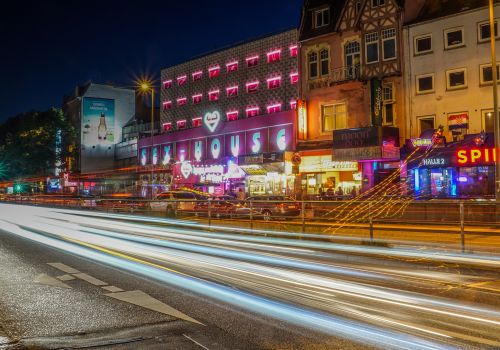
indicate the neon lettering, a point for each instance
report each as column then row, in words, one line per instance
column 256, row 142
column 235, row 145
column 281, row 139
column 215, row 148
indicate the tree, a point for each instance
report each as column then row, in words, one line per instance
column 28, row 143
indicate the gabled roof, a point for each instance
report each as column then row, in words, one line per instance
column 306, row 30
column 433, row 9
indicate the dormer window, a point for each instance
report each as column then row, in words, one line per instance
column 213, row 71
column 321, row 17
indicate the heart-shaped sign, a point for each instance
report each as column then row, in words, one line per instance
column 186, row 169
column 212, row 120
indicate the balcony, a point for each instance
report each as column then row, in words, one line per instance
column 336, row 76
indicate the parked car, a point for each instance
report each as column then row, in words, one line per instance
column 176, row 202
column 271, row 206
column 224, row 206
column 120, row 203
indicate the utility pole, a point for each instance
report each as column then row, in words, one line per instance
column 496, row 119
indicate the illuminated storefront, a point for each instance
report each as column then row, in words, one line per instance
column 462, row 169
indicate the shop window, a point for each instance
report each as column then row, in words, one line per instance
column 252, row 61
column 294, row 50
column 324, row 60
column 425, row 83
column 196, row 122
column 371, row 47
column 425, row 123
column 274, row 108
column 181, row 80
column 488, row 120
column 167, row 127
column 167, row 105
column 273, row 56
column 453, row 38
column 231, row 67
column 181, row 101
column 423, row 44
column 213, row 71
column 252, row 111
column 312, row 61
column 321, row 17
column 376, row 3
column 293, row 104
column 197, row 98
column 388, row 101
column 252, row 87
column 476, row 181
column 213, row 95
column 389, row 49
column 197, row 75
column 484, row 33
column 181, row 124
column 486, row 74
column 167, row 84
column 274, row 83
column 232, row 91
column 456, row 79
column 333, row 117
column 233, row 115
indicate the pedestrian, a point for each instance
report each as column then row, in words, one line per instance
column 340, row 192
column 241, row 195
column 354, row 192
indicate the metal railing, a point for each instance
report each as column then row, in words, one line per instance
column 467, row 224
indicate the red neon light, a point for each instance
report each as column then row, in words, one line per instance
column 196, row 122
column 197, row 75
column 213, row 95
column 233, row 115
column 213, row 71
column 181, row 80
column 294, row 51
column 252, row 61
column 232, row 66
column 167, row 84
column 197, row 98
column 167, row 126
column 167, row 105
column 252, row 87
column 232, row 91
column 294, row 78
column 275, row 108
column 476, row 156
column 274, row 56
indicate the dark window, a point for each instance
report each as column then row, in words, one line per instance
column 376, row 3
column 426, row 123
column 371, row 42
column 425, row 84
column 484, row 31
column 321, row 17
column 423, row 44
column 324, row 58
column 313, row 65
column 456, row 79
column 487, row 74
column 454, row 38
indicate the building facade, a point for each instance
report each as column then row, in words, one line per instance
column 228, row 121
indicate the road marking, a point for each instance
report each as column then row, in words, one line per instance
column 493, row 286
column 50, row 281
column 139, row 298
column 65, row 278
column 63, row 268
column 112, row 289
column 194, row 341
column 90, row 279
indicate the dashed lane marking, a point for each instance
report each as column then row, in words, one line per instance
column 90, row 279
column 50, row 281
column 63, row 268
column 112, row 289
column 492, row 286
column 194, row 341
column 139, row 298
column 65, row 278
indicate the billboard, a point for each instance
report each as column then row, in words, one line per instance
column 98, row 121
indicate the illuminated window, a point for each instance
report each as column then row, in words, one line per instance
column 252, row 87
column 196, row 122
column 274, row 108
column 197, row 98
column 167, row 105
column 213, row 95
column 273, row 56
column 233, row 115
column 273, row 83
column 167, row 127
column 293, row 104
column 294, row 51
column 213, row 71
column 197, row 75
column 252, row 61
column 181, row 80
column 232, row 66
column 294, row 78
column 252, row 111
column 167, row 84
column 388, row 102
column 181, row 124
column 232, row 91
column 333, row 117
column 181, row 101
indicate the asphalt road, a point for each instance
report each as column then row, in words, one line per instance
column 71, row 279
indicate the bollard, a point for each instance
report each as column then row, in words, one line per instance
column 462, row 227
column 209, row 213
column 303, row 214
column 251, row 216
column 371, row 220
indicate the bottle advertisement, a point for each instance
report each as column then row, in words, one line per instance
column 98, row 122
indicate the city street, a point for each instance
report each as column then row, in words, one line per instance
column 88, row 279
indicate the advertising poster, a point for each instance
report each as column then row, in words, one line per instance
column 98, row 122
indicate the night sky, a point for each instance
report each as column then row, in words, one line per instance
column 48, row 47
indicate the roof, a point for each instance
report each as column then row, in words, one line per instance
column 433, row 9
column 306, row 30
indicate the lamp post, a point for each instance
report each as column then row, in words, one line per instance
column 146, row 87
column 496, row 119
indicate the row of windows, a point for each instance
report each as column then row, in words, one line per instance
column 453, row 38
column 233, row 66
column 455, row 79
column 429, row 121
column 232, row 115
column 321, row 16
column 232, row 91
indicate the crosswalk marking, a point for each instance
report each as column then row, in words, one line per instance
column 65, row 278
column 63, row 268
column 90, row 279
column 50, row 281
column 112, row 289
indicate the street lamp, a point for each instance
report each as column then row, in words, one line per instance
column 496, row 117
column 146, row 86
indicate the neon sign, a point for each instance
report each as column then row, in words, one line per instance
column 281, row 139
column 235, row 145
column 215, row 148
column 418, row 142
column 256, row 142
column 198, row 153
column 477, row 156
column 144, row 156
column 212, row 120
column 302, row 119
column 167, row 154
column 155, row 156
column 186, row 169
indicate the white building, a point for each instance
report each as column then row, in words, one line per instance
column 448, row 78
